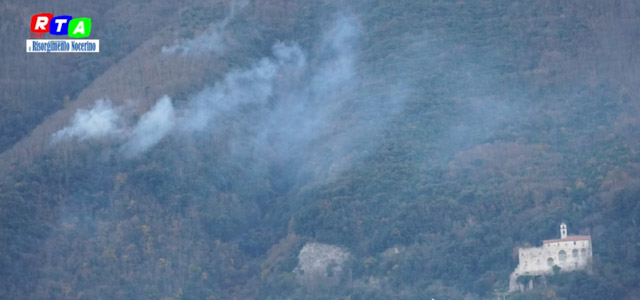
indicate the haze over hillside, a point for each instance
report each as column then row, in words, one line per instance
column 319, row 149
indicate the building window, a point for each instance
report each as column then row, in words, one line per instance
column 550, row 262
column 574, row 253
column 583, row 252
column 562, row 255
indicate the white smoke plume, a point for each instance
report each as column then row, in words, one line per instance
column 212, row 40
column 152, row 127
column 297, row 107
column 104, row 120
column 254, row 85
column 310, row 124
column 100, row 121
column 238, row 87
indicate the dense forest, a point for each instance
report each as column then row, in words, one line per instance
column 212, row 145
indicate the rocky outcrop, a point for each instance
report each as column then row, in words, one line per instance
column 320, row 264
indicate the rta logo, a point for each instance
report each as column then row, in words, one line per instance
column 59, row 25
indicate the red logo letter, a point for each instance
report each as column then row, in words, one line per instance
column 40, row 22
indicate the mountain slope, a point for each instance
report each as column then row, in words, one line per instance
column 425, row 139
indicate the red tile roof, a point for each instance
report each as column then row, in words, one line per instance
column 569, row 239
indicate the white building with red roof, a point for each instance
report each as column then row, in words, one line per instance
column 569, row 252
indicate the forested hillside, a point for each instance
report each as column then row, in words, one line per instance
column 210, row 143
